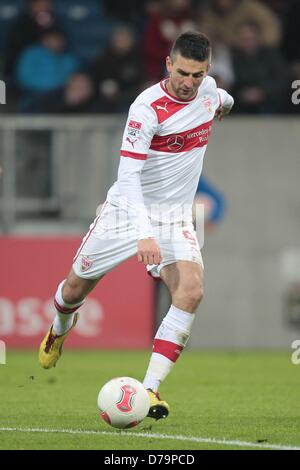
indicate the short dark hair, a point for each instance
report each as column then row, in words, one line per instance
column 192, row 45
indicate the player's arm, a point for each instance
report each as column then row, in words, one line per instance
column 140, row 128
column 129, row 181
column 226, row 102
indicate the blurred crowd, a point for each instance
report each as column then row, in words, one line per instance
column 94, row 56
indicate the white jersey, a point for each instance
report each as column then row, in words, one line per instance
column 162, row 153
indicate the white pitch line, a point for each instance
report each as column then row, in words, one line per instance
column 203, row 440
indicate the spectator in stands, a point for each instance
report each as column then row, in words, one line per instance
column 118, row 73
column 222, row 66
column 45, row 67
column 78, row 96
column 110, row 85
column 37, row 17
column 260, row 73
column 222, row 18
column 133, row 12
column 280, row 7
column 164, row 24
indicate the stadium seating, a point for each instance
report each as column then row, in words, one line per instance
column 87, row 28
column 9, row 9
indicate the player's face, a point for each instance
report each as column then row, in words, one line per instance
column 186, row 75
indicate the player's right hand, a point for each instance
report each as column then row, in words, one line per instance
column 149, row 251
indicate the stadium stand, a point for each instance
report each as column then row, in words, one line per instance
column 9, row 9
column 87, row 28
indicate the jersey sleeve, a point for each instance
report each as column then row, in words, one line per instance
column 225, row 99
column 140, row 128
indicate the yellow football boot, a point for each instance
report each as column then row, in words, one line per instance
column 158, row 408
column 51, row 346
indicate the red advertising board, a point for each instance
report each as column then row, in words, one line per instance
column 117, row 314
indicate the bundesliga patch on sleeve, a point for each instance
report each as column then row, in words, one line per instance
column 134, row 128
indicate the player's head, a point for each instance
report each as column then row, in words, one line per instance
column 188, row 63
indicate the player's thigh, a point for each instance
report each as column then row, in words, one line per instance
column 183, row 277
column 182, row 263
column 98, row 256
column 110, row 241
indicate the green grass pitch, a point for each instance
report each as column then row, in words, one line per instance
column 234, row 398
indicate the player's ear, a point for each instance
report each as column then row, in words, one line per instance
column 169, row 64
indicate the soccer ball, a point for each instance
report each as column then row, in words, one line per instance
column 123, row 402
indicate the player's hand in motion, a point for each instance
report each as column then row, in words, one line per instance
column 221, row 112
column 149, row 251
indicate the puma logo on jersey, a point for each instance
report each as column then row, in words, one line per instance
column 132, row 142
column 164, row 108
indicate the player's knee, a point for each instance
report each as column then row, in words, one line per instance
column 200, row 294
column 189, row 297
column 195, row 295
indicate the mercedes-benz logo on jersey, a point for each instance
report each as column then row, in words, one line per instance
column 176, row 142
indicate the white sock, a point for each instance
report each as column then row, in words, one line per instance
column 64, row 312
column 169, row 341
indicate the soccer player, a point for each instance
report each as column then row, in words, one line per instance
column 148, row 210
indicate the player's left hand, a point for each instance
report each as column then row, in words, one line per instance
column 221, row 112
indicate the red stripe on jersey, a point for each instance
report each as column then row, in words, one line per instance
column 183, row 141
column 167, row 348
column 165, row 108
column 137, row 156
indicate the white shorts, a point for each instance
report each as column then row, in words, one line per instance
column 112, row 239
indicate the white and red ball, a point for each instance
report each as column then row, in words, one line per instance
column 123, row 402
